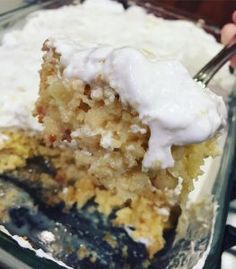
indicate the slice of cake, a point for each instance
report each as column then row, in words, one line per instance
column 139, row 129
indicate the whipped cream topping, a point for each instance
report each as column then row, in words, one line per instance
column 96, row 22
column 177, row 109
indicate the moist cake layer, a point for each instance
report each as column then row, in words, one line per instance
column 110, row 140
column 146, row 205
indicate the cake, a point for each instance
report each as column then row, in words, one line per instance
column 101, row 145
column 137, row 125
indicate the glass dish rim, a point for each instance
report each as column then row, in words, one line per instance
column 228, row 157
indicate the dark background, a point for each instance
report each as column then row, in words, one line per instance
column 216, row 12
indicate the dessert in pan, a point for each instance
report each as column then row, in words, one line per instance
column 101, row 173
column 122, row 113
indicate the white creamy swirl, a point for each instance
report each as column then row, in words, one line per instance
column 96, row 22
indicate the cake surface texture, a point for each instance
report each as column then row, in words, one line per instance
column 126, row 113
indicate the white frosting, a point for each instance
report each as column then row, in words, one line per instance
column 177, row 109
column 101, row 22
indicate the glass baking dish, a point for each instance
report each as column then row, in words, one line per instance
column 195, row 246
